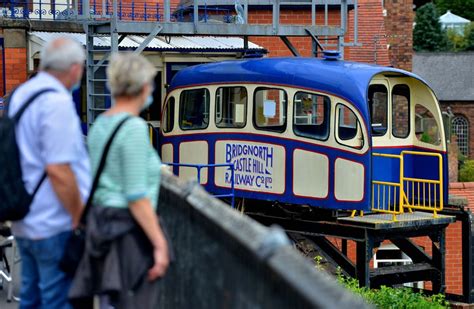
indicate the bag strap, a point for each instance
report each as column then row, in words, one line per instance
column 22, row 109
column 100, row 169
column 16, row 119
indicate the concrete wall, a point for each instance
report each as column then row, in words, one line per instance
column 227, row 260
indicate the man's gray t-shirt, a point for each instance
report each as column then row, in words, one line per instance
column 49, row 132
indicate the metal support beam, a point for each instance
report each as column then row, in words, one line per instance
column 439, row 253
column 392, row 275
column 107, row 55
column 316, row 43
column 140, row 28
column 246, row 11
column 167, row 11
column 148, row 39
column 290, row 46
column 343, row 27
column 333, row 253
column 113, row 30
column 195, row 15
column 414, row 252
column 276, row 16
column 363, row 256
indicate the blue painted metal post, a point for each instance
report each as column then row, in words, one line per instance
column 40, row 10
column 12, row 10
column 145, row 12
column 199, row 174
column 232, row 185
column 133, row 10
column 157, row 12
column 94, row 5
column 120, row 10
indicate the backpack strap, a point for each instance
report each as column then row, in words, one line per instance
column 16, row 119
column 100, row 169
column 7, row 101
column 25, row 105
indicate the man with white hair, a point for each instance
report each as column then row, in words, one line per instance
column 50, row 141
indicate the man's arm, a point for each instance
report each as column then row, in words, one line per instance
column 65, row 186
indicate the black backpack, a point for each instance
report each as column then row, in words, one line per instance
column 14, row 199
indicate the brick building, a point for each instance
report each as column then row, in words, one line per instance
column 450, row 75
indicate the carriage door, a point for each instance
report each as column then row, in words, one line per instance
column 350, row 176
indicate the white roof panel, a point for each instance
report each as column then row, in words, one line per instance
column 159, row 43
column 450, row 18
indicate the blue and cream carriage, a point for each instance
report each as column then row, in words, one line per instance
column 324, row 133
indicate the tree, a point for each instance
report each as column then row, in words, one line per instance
column 463, row 8
column 470, row 37
column 428, row 35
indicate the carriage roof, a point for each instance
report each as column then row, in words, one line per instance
column 348, row 80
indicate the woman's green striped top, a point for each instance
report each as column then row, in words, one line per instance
column 132, row 169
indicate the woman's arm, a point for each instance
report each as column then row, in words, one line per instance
column 146, row 217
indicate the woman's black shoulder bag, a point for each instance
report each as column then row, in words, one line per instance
column 76, row 244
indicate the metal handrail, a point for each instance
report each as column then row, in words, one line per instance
column 198, row 167
column 405, row 200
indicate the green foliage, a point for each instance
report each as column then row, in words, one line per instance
column 428, row 35
column 461, row 42
column 391, row 298
column 463, row 8
column 469, row 36
column 466, row 171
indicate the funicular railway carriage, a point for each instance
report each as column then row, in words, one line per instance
column 324, row 133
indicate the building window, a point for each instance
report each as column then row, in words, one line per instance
column 400, row 111
column 378, row 98
column 194, row 109
column 461, row 129
column 231, row 107
column 270, row 109
column 311, row 115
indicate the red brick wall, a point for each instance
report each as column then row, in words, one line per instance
column 371, row 34
column 399, row 27
column 274, row 45
column 15, row 67
column 465, row 109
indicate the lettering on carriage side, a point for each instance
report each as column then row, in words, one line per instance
column 253, row 165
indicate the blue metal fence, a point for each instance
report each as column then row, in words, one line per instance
column 135, row 10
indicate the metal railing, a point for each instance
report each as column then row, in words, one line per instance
column 409, row 192
column 135, row 10
column 387, row 197
column 199, row 167
column 418, row 192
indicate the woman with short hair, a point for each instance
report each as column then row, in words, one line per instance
column 126, row 196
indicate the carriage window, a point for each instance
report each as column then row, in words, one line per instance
column 231, row 107
column 194, row 109
column 401, row 111
column 426, row 127
column 311, row 115
column 349, row 131
column 378, row 98
column 270, row 109
column 168, row 117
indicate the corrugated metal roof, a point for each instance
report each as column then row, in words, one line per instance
column 158, row 43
